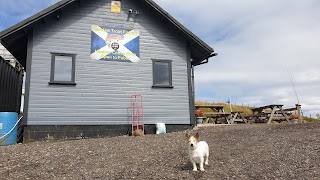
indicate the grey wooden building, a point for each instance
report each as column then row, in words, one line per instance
column 85, row 58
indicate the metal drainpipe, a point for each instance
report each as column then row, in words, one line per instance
column 192, row 84
column 192, row 79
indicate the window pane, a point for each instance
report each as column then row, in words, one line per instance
column 161, row 73
column 63, row 68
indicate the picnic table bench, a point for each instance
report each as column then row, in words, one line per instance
column 268, row 113
column 218, row 117
column 217, row 114
column 238, row 117
column 213, row 107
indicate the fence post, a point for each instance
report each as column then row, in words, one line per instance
column 298, row 106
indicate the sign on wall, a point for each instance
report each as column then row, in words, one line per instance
column 115, row 6
column 114, row 44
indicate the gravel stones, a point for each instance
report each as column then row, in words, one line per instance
column 255, row 151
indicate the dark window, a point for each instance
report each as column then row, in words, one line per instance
column 62, row 68
column 162, row 73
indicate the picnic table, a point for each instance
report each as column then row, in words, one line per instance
column 238, row 117
column 268, row 113
column 213, row 107
column 293, row 113
column 290, row 109
column 218, row 114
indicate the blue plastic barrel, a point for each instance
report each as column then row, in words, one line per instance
column 7, row 122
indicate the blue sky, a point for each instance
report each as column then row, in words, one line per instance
column 260, row 43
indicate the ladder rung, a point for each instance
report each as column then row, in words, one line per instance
column 137, row 113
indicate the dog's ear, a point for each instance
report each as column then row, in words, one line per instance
column 197, row 136
column 187, row 136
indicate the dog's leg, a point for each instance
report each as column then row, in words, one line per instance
column 201, row 164
column 194, row 165
column 207, row 157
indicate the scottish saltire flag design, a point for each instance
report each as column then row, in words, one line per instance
column 114, row 44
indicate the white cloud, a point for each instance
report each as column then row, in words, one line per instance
column 260, row 43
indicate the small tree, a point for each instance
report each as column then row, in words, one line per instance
column 318, row 116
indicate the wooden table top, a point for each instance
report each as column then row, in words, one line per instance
column 217, row 113
column 209, row 106
column 266, row 107
column 290, row 109
column 233, row 112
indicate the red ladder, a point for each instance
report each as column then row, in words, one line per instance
column 137, row 114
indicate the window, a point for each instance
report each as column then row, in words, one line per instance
column 62, row 68
column 162, row 73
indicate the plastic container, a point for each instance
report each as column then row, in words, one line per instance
column 199, row 120
column 294, row 121
column 7, row 122
column 160, row 128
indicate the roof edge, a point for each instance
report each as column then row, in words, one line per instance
column 34, row 18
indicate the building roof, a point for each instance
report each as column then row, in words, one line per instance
column 15, row 38
column 6, row 54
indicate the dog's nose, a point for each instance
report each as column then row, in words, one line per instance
column 191, row 144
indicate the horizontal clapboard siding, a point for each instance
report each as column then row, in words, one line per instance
column 102, row 93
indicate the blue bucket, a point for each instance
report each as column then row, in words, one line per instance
column 7, row 122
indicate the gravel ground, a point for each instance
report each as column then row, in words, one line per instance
column 236, row 152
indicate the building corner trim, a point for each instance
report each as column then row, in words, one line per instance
column 28, row 77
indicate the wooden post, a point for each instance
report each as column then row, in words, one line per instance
column 284, row 115
column 298, row 106
column 271, row 115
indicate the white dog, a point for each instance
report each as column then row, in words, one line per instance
column 198, row 151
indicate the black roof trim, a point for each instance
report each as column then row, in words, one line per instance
column 35, row 18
